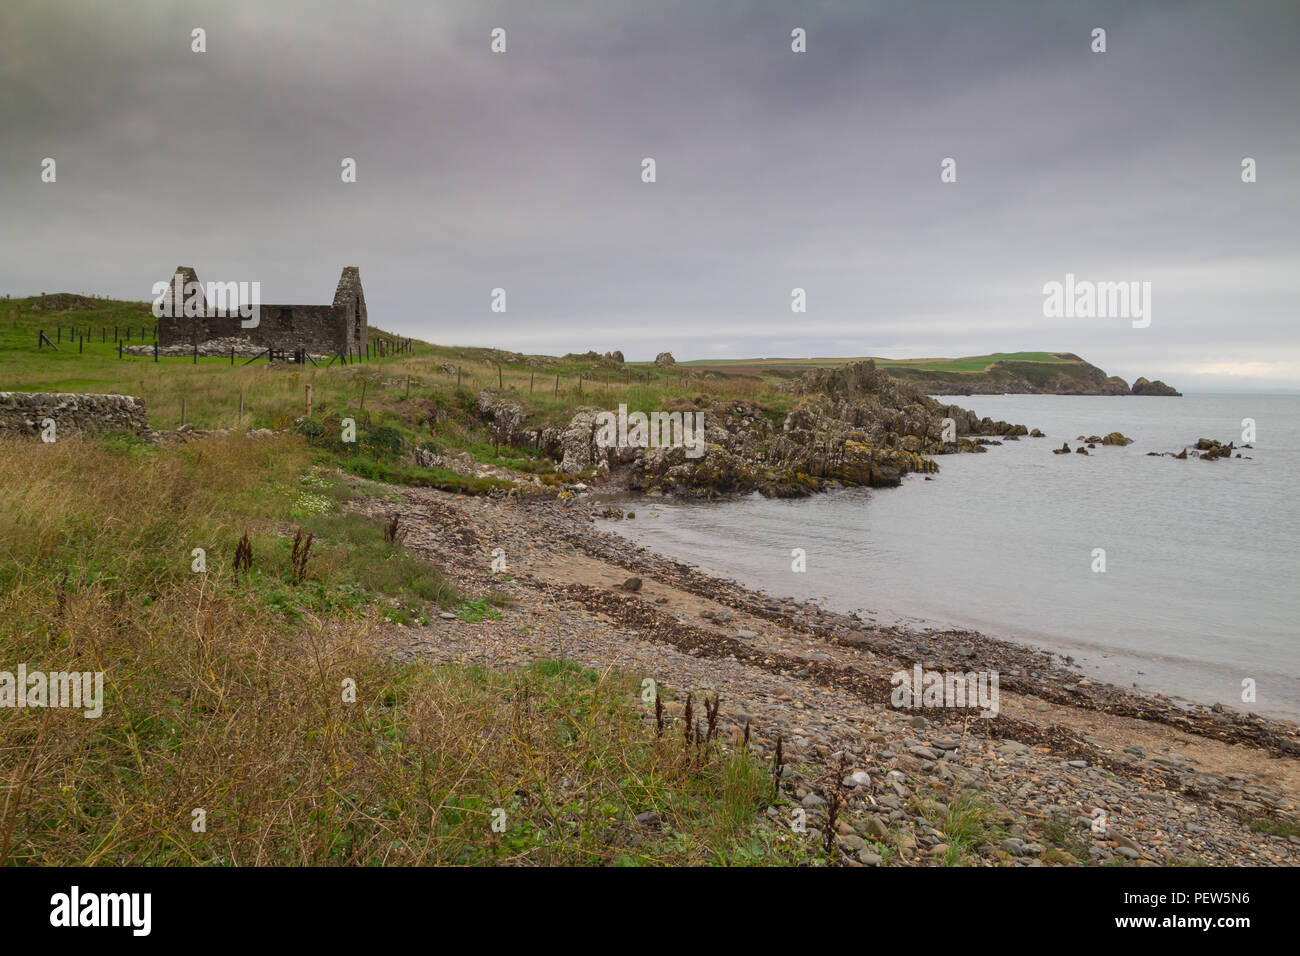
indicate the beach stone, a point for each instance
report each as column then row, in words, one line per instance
column 1125, row 841
column 851, row 841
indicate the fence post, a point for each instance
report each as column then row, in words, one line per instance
column 530, row 381
column 500, row 380
column 241, row 409
column 155, row 350
column 309, row 400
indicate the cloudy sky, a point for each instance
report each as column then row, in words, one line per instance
column 775, row 170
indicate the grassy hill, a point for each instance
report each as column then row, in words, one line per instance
column 972, row 363
column 1054, row 372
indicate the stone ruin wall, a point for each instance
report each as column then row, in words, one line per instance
column 328, row 329
column 22, row 413
column 318, row 328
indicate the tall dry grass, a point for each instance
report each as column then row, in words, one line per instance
column 223, row 710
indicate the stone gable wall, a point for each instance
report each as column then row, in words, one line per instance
column 341, row 326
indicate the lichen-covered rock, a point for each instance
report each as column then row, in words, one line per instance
column 665, row 358
column 504, row 416
column 578, row 442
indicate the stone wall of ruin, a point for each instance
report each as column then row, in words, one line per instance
column 339, row 327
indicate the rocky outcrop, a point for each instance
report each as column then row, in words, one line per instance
column 1211, row 449
column 665, row 358
column 1144, row 387
column 24, row 412
column 504, row 417
column 578, row 450
column 852, row 425
column 1206, row 449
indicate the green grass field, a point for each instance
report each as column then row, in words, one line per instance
column 970, row 363
column 549, row 387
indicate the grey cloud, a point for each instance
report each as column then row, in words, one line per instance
column 776, row 170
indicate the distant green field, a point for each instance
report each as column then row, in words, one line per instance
column 970, row 363
column 978, row 363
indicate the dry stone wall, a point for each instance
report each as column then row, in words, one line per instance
column 23, row 412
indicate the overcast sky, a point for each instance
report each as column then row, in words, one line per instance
column 775, row 170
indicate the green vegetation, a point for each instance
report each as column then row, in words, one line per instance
column 426, row 397
column 1063, row 835
column 970, row 363
column 977, row 363
column 253, row 694
column 1274, row 826
column 965, row 823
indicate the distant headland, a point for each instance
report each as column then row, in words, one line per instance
column 1033, row 373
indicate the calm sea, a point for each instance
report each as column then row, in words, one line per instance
column 1200, row 589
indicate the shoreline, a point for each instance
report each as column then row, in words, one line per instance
column 919, row 625
column 1061, row 745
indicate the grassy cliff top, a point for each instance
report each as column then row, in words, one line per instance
column 969, row 363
